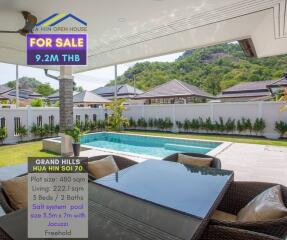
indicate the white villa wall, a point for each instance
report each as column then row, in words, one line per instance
column 29, row 116
column 269, row 111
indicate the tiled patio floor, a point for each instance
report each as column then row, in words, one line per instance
column 250, row 162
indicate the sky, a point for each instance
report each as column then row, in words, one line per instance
column 88, row 80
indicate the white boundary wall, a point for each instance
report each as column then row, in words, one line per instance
column 269, row 111
column 29, row 116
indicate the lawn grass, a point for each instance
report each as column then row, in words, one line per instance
column 19, row 153
column 225, row 138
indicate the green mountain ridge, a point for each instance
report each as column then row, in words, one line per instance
column 213, row 69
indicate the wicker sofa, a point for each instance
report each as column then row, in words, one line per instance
column 241, row 193
column 216, row 232
column 216, row 163
column 121, row 162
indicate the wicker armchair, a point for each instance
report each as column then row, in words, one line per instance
column 216, row 163
column 4, row 201
column 241, row 193
column 121, row 162
column 213, row 232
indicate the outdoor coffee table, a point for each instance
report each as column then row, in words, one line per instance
column 151, row 200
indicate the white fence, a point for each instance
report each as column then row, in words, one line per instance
column 269, row 111
column 28, row 116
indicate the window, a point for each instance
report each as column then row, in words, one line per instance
column 78, row 118
column 51, row 121
column 39, row 121
column 94, row 117
column 2, row 122
column 17, row 124
column 86, row 117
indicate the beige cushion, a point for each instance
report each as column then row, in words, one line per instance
column 194, row 161
column 223, row 216
column 103, row 167
column 266, row 206
column 16, row 191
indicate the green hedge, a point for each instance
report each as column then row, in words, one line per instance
column 198, row 125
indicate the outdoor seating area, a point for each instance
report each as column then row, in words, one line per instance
column 168, row 188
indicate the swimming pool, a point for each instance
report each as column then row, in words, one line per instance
column 159, row 147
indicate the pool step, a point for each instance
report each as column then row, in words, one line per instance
column 183, row 148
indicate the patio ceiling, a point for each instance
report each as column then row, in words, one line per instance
column 127, row 30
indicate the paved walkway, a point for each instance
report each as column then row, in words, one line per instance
column 252, row 162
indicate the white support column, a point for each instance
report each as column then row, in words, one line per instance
column 66, row 108
column 17, row 86
column 29, row 121
column 116, row 76
column 174, row 129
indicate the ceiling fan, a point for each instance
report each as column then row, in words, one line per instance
column 30, row 22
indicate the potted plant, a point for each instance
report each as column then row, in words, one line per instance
column 76, row 134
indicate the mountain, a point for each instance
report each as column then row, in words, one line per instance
column 212, row 69
column 32, row 84
column 25, row 83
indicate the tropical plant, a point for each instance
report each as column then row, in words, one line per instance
column 281, row 127
column 3, row 134
column 75, row 133
column 116, row 120
column 150, row 123
column 284, row 98
column 194, row 124
column 239, row 126
column 247, row 125
column 22, row 131
column 230, row 125
column 208, row 125
column 259, row 125
column 186, row 125
column 37, row 102
column 132, row 123
column 219, row 125
column 179, row 125
column 39, row 131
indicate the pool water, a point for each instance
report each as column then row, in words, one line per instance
column 145, row 145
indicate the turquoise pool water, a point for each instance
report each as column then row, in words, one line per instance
column 145, row 145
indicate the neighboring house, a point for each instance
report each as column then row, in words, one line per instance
column 252, row 91
column 25, row 96
column 123, row 91
column 89, row 99
column 53, row 98
column 175, row 92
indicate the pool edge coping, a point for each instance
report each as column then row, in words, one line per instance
column 214, row 152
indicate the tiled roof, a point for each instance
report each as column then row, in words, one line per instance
column 122, row 89
column 23, row 94
column 252, row 89
column 4, row 89
column 174, row 88
column 56, row 95
column 89, row 97
column 255, row 86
